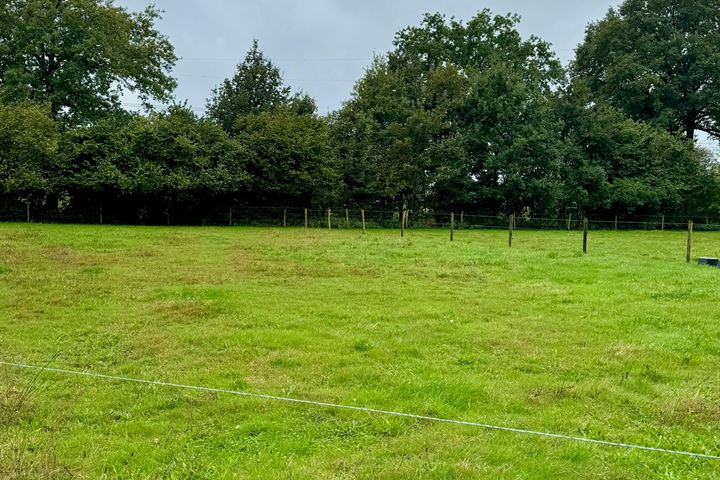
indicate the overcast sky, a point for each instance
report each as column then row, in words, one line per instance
column 323, row 46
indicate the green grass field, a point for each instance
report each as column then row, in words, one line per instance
column 620, row 345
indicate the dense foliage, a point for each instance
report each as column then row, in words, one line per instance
column 157, row 159
column 659, row 61
column 79, row 56
column 463, row 116
column 458, row 115
column 454, row 115
column 28, row 146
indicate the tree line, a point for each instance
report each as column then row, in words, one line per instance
column 459, row 115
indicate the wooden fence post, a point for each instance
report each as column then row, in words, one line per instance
column 689, row 241
column 662, row 223
column 511, row 227
column 284, row 217
column 306, row 218
column 616, row 222
column 569, row 221
column 329, row 221
column 452, row 227
column 362, row 214
column 101, row 214
column 27, row 211
column 347, row 218
column 462, row 218
column 402, row 223
column 585, row 235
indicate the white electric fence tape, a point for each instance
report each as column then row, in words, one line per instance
column 359, row 409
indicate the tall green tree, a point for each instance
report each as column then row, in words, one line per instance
column 658, row 61
column 256, row 87
column 455, row 114
column 28, row 144
column 81, row 55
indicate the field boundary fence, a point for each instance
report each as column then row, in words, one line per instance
column 235, row 214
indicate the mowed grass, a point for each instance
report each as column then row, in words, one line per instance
column 620, row 345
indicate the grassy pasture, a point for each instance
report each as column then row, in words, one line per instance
column 620, row 345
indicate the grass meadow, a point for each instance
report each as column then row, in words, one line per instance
column 620, row 345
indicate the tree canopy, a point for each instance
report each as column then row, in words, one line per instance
column 256, row 87
column 79, row 56
column 658, row 61
column 28, row 143
column 163, row 155
column 458, row 115
column 453, row 115
column 292, row 159
column 618, row 164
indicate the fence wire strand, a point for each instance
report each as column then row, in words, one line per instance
column 379, row 217
column 521, row 431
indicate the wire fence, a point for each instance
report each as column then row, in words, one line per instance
column 235, row 214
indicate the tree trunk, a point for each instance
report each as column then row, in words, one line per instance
column 690, row 128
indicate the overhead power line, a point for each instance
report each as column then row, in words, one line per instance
column 221, row 77
column 280, row 59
